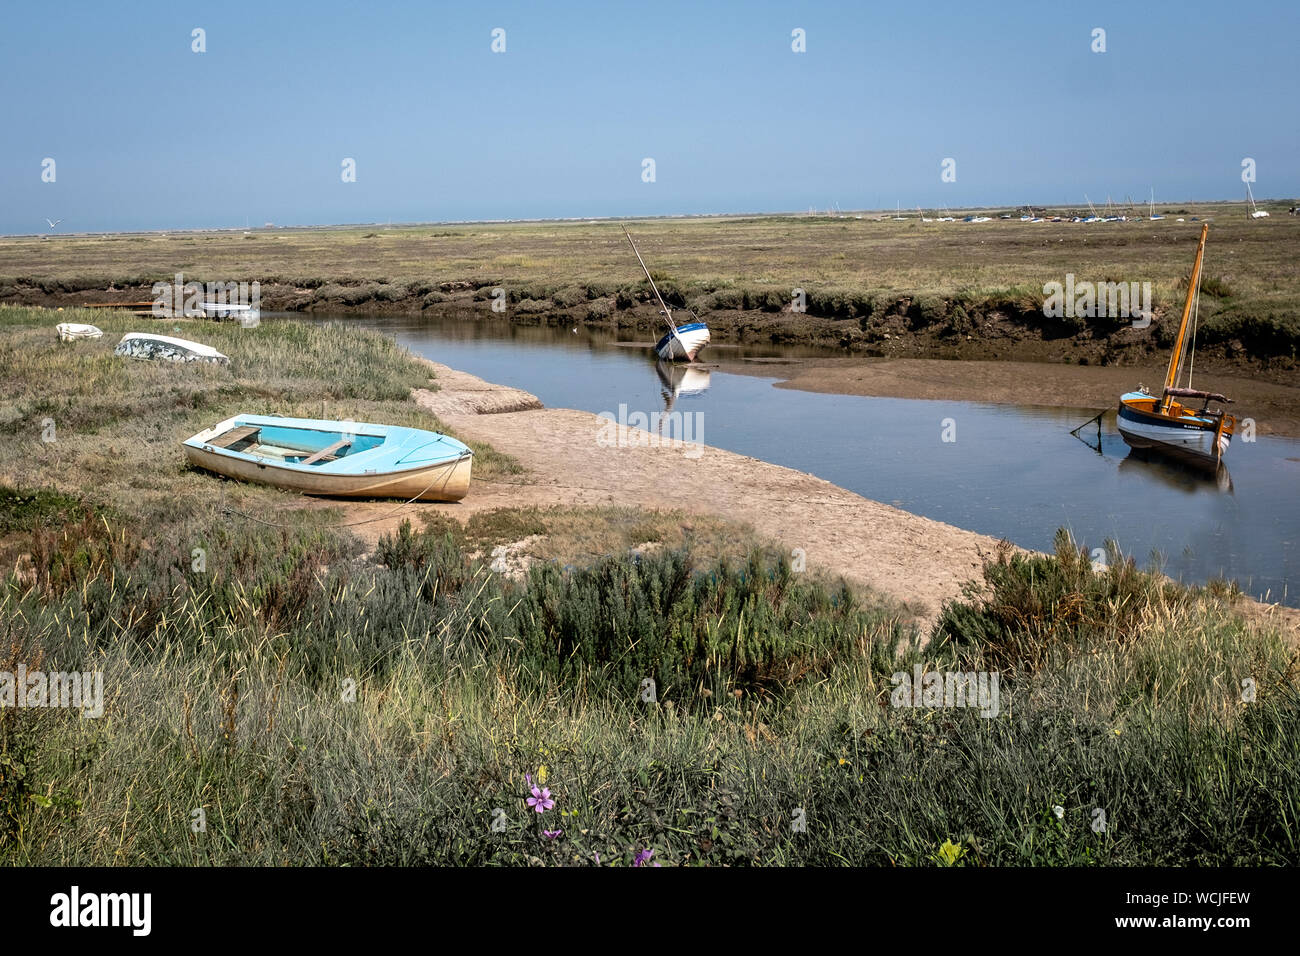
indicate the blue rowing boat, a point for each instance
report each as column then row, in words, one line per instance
column 335, row 458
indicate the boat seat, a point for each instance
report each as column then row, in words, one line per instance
column 327, row 454
column 243, row 436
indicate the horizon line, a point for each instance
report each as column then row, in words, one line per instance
column 541, row 220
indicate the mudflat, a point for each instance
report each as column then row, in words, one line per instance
column 1275, row 407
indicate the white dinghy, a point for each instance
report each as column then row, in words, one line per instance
column 74, row 331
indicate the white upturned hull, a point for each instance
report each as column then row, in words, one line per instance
column 143, row 345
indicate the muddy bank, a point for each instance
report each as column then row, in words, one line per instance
column 1009, row 357
column 1001, row 328
column 1274, row 407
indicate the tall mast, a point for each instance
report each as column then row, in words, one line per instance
column 668, row 316
column 1175, row 360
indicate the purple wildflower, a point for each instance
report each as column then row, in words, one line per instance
column 551, row 834
column 643, row 857
column 541, row 799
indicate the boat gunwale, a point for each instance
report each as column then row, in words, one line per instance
column 1182, row 421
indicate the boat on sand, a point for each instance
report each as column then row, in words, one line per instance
column 335, row 458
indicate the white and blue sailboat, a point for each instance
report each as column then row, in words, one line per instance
column 680, row 343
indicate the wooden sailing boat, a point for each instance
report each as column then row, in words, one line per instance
column 1198, row 436
column 681, row 343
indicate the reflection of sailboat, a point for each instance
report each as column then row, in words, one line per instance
column 680, row 380
column 1178, row 476
column 1162, row 423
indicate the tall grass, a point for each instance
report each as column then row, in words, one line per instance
column 321, row 706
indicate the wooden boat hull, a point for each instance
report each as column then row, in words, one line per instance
column 443, row 475
column 1164, row 423
column 685, row 345
column 1190, row 438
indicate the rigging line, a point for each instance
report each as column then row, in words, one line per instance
column 1196, row 311
column 348, row 524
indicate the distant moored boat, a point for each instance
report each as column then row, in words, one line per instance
column 229, row 310
column 680, row 343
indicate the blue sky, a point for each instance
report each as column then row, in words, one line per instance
column 147, row 134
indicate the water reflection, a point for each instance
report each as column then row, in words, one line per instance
column 676, row 380
column 1015, row 472
column 1100, row 434
column 1177, row 476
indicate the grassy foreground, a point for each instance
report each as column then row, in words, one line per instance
column 296, row 699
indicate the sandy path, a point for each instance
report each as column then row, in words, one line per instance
column 912, row 559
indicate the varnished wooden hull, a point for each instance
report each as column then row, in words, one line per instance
column 1185, row 437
